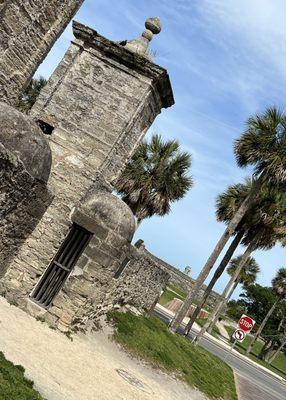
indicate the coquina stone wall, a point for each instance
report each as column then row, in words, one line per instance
column 140, row 284
column 95, row 109
column 94, row 286
column 177, row 278
column 25, row 162
column 28, row 29
column 100, row 101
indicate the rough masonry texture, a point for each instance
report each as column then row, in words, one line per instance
column 178, row 278
column 28, row 29
column 96, row 107
column 25, row 163
column 100, row 101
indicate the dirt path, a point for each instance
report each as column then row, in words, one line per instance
column 88, row 368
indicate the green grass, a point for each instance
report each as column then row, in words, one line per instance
column 149, row 338
column 13, row 384
column 168, row 296
column 278, row 365
column 171, row 292
column 180, row 291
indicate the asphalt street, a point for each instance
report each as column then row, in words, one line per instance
column 273, row 387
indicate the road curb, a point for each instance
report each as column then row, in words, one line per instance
column 236, row 386
column 225, row 346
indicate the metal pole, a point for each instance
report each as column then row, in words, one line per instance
column 232, row 347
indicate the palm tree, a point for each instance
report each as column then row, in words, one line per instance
column 248, row 273
column 259, row 217
column 281, row 347
column 263, row 146
column 31, row 93
column 212, row 320
column 279, row 289
column 262, row 233
column 155, row 177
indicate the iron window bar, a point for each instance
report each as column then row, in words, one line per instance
column 121, row 268
column 58, row 271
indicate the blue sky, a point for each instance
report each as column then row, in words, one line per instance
column 226, row 61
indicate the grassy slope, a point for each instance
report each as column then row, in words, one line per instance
column 171, row 292
column 13, row 384
column 279, row 364
column 168, row 296
column 150, row 339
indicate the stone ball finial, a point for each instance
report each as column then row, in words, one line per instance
column 153, row 25
column 140, row 45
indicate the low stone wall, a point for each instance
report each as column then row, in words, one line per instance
column 177, row 277
column 141, row 283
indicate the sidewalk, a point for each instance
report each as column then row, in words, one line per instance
column 90, row 367
column 196, row 328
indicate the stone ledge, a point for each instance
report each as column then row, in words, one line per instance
column 114, row 50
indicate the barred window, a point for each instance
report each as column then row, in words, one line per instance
column 57, row 272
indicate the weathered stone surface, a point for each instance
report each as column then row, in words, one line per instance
column 25, row 162
column 101, row 100
column 178, row 278
column 23, row 138
column 28, row 29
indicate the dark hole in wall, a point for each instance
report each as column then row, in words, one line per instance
column 121, row 268
column 45, row 127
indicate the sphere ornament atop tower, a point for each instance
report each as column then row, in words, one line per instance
column 140, row 45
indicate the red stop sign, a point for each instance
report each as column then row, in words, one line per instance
column 246, row 323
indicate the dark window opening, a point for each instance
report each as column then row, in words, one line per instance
column 121, row 268
column 56, row 274
column 45, row 127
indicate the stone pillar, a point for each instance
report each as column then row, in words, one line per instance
column 112, row 225
column 95, row 108
column 101, row 100
column 28, row 30
column 25, row 162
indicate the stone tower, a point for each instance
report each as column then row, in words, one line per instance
column 94, row 110
column 102, row 98
column 28, row 29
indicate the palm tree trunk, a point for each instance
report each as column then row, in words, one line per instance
column 216, row 312
column 274, row 355
column 216, row 252
column 231, row 292
column 259, row 330
column 264, row 352
column 214, row 279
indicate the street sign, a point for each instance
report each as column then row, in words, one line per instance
column 239, row 335
column 246, row 323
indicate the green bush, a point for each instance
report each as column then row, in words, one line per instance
column 13, row 384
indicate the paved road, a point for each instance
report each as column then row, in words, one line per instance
column 275, row 389
column 249, row 391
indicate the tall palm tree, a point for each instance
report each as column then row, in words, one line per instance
column 259, row 217
column 31, row 93
column 155, row 177
column 262, row 233
column 263, row 146
column 248, row 273
column 279, row 289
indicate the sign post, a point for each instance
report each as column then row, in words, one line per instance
column 245, row 324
